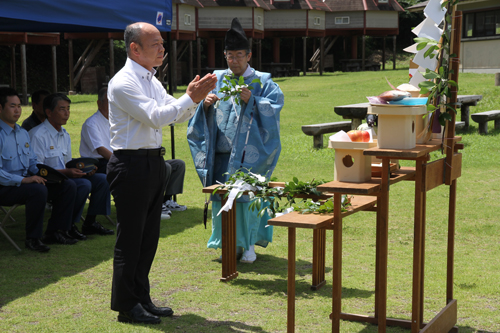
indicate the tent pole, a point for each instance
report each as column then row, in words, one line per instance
column 13, row 73
column 70, row 63
column 111, row 58
column 54, row 69
column 24, row 75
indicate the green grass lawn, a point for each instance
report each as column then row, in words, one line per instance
column 68, row 289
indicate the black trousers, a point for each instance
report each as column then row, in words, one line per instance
column 137, row 184
column 34, row 196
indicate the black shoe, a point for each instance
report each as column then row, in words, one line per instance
column 36, row 245
column 59, row 237
column 138, row 315
column 96, row 228
column 75, row 233
column 158, row 311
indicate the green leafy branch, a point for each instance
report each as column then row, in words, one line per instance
column 262, row 193
column 234, row 86
column 439, row 86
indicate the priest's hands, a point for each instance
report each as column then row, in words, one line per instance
column 245, row 95
column 209, row 100
column 199, row 88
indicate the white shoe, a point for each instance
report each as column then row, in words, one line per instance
column 172, row 205
column 165, row 213
column 249, row 256
column 239, row 254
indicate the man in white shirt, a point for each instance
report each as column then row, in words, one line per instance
column 138, row 109
column 95, row 138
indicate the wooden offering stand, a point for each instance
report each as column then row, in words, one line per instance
column 427, row 175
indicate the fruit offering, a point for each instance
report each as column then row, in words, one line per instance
column 359, row 136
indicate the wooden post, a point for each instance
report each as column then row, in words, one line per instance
column 24, row 75
column 276, row 49
column 250, row 42
column 354, row 47
column 322, row 55
column 191, row 72
column 211, row 52
column 363, row 53
column 394, row 52
column 259, row 54
column 71, row 69
column 304, row 53
column 290, row 322
column 54, row 69
column 293, row 52
column 383, row 54
column 198, row 55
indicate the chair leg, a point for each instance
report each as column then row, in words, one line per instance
column 110, row 220
column 10, row 239
column 9, row 212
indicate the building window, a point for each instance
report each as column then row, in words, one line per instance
column 317, row 20
column 259, row 20
column 187, row 19
column 383, row 1
column 481, row 24
column 342, row 20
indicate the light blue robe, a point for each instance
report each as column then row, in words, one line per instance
column 217, row 142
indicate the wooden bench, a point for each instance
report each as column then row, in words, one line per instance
column 482, row 119
column 320, row 223
column 317, row 130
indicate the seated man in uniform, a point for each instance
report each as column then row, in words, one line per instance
column 52, row 145
column 175, row 181
column 19, row 183
column 95, row 138
column 37, row 116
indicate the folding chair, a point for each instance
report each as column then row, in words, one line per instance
column 4, row 220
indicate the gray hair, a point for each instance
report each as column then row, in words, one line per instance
column 132, row 35
column 102, row 93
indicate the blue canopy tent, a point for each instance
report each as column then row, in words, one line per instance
column 79, row 16
column 83, row 16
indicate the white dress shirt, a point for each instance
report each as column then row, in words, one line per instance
column 52, row 147
column 95, row 134
column 139, row 107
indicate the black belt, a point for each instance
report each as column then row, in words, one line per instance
column 141, row 152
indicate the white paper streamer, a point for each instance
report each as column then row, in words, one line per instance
column 434, row 11
column 237, row 187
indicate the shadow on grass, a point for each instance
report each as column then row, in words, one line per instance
column 180, row 221
column 29, row 271
column 193, row 323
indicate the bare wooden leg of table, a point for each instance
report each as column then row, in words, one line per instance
column 337, row 263
column 355, row 123
column 382, row 248
column 464, row 115
column 290, row 323
column 319, row 248
column 451, row 241
column 228, row 222
column 416, row 317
